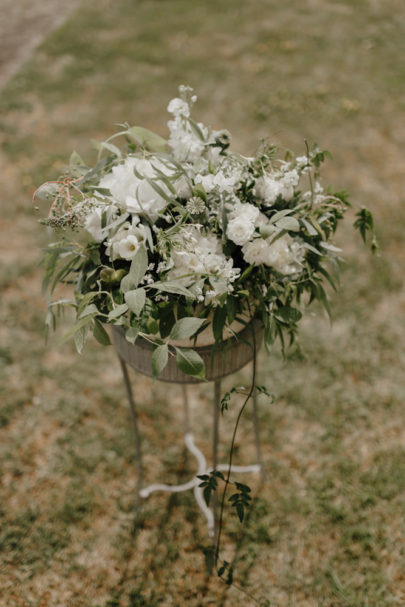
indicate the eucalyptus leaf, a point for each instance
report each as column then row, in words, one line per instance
column 80, row 338
column 104, row 145
column 330, row 247
column 309, row 227
column 147, row 139
column 160, row 357
column 137, row 271
column 277, row 216
column 135, row 300
column 288, row 223
column 185, row 327
column 173, row 287
column 78, row 325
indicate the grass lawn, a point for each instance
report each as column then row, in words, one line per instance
column 327, row 529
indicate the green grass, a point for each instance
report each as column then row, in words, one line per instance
column 327, row 528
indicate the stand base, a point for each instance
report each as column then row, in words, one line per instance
column 209, row 514
column 194, row 482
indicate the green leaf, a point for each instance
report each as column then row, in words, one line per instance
column 78, row 325
column 110, row 147
column 173, row 287
column 245, row 274
column 80, row 338
column 167, row 320
column 186, row 327
column 135, row 300
column 330, row 247
column 240, row 509
column 89, row 310
column 288, row 223
column 190, row 362
column 147, row 139
column 311, row 248
column 277, row 216
column 160, row 357
column 218, row 322
column 131, row 334
column 76, row 160
column 288, row 315
column 230, row 308
column 101, row 334
column 364, row 222
column 196, row 129
column 118, row 311
column 137, row 271
column 309, row 227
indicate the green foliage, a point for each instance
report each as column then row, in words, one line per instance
column 160, row 358
column 147, row 139
column 365, row 224
column 186, row 327
column 190, row 362
column 210, row 483
column 241, row 499
column 135, row 300
column 137, row 270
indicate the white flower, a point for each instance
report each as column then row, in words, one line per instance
column 128, row 246
column 93, row 222
column 218, row 181
column 135, row 194
column 178, row 107
column 249, row 212
column 182, row 187
column 240, row 231
column 285, row 254
column 195, row 255
column 185, row 145
column 243, row 221
column 268, row 189
column 288, row 182
column 255, row 251
column 120, row 243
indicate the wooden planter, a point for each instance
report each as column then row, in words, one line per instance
column 233, row 354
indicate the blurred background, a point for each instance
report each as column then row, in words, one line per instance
column 327, row 528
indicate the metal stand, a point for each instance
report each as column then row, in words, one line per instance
column 203, row 468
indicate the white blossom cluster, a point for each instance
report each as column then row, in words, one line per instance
column 213, row 209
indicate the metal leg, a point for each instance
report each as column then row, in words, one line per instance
column 137, row 438
column 215, row 435
column 257, row 436
column 187, row 425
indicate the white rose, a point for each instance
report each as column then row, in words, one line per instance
column 134, row 193
column 146, row 200
column 239, row 230
column 255, row 251
column 249, row 212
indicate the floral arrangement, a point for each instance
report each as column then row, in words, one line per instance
column 168, row 239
